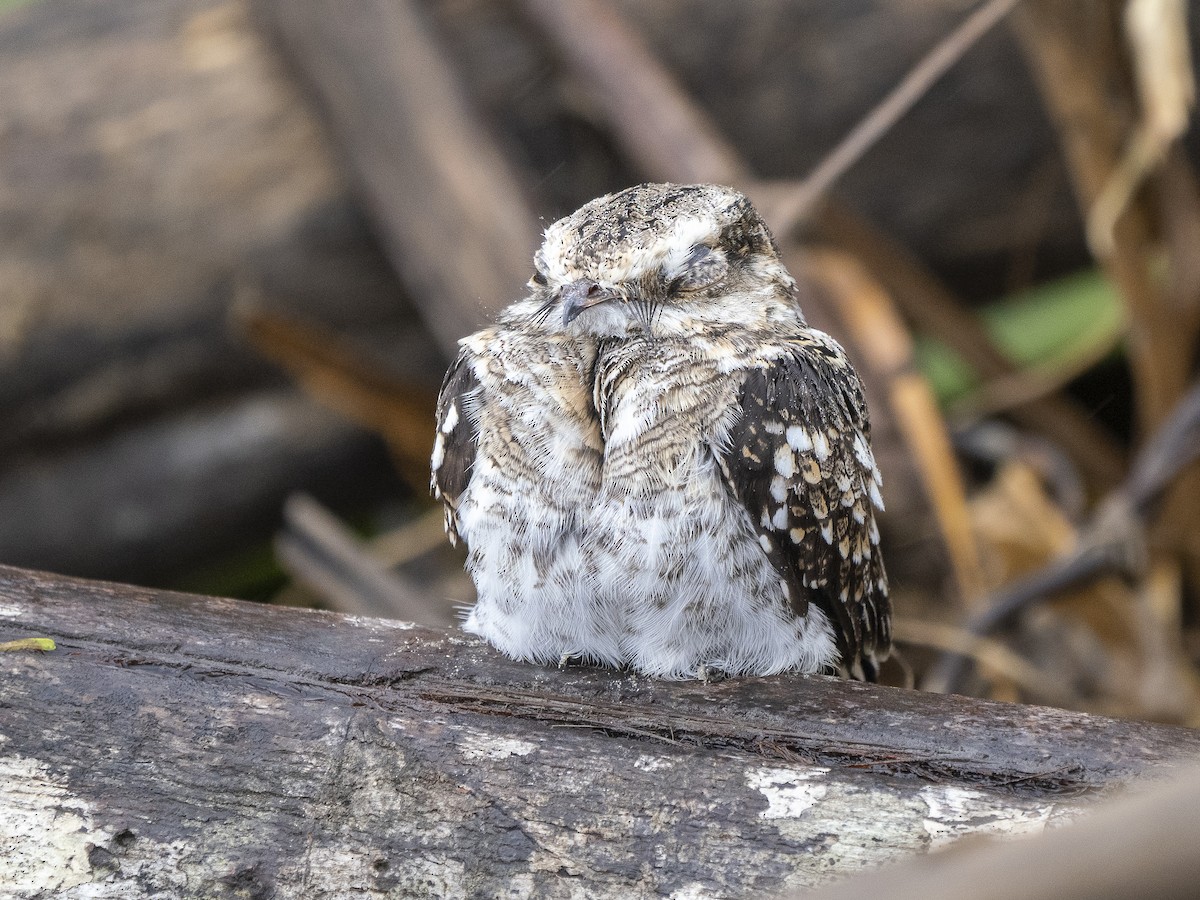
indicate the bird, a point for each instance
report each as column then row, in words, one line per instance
column 654, row 462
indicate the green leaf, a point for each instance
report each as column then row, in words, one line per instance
column 1050, row 327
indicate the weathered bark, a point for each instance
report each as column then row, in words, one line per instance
column 214, row 748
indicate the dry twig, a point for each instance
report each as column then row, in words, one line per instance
column 319, row 550
column 337, row 374
column 1077, row 49
column 1114, row 542
column 937, row 312
column 798, row 204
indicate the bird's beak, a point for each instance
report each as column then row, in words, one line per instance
column 580, row 295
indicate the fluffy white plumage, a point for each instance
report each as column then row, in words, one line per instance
column 655, row 463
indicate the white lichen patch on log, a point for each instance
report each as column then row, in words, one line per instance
column 45, row 833
column 957, row 811
column 480, row 745
column 648, row 763
column 789, row 792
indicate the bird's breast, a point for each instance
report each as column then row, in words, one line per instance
column 661, row 412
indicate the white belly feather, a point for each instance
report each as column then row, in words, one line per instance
column 623, row 569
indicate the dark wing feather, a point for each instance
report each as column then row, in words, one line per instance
column 799, row 459
column 455, row 444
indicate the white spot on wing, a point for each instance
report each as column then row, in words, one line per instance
column 778, row 488
column 439, row 452
column 451, row 419
column 798, row 439
column 785, row 462
column 820, row 446
column 876, row 497
column 862, row 452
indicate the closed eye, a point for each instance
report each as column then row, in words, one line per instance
column 539, row 278
column 703, row 267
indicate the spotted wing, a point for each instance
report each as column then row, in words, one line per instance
column 799, row 458
column 455, row 444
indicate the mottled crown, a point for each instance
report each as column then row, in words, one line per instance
column 650, row 227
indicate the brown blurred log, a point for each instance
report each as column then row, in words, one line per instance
column 158, row 497
column 156, row 166
column 158, row 169
column 188, row 745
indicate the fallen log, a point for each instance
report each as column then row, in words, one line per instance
column 157, row 171
column 187, row 745
column 160, row 496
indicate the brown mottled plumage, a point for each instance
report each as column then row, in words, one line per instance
column 653, row 460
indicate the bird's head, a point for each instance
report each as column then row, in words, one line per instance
column 659, row 259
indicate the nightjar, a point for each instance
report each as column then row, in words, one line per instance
column 655, row 463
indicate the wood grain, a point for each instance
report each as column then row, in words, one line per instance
column 211, row 747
